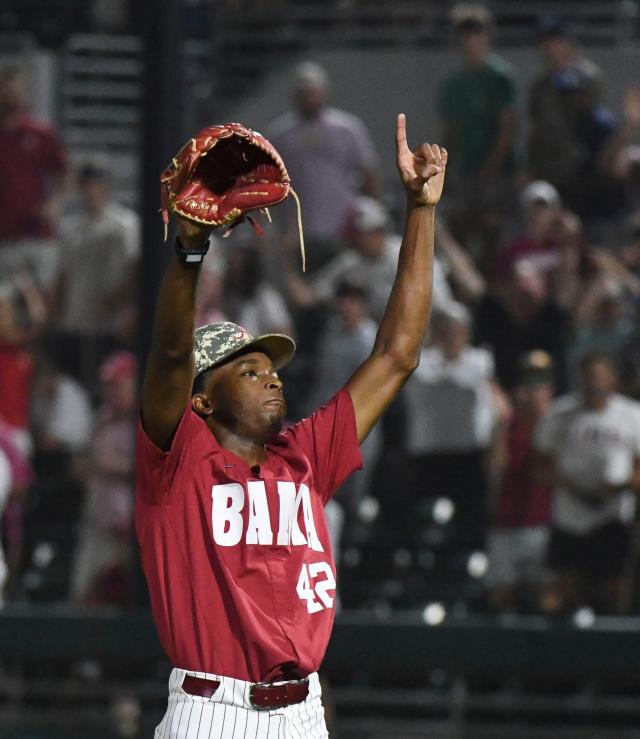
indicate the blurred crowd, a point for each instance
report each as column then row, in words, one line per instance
column 515, row 447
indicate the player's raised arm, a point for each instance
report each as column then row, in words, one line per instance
column 400, row 334
column 166, row 388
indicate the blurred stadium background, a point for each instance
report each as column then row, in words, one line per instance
column 428, row 642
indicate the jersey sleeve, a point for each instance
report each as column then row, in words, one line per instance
column 329, row 440
column 155, row 468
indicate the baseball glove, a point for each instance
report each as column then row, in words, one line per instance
column 221, row 175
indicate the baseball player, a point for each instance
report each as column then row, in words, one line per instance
column 229, row 510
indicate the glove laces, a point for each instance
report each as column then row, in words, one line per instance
column 300, row 234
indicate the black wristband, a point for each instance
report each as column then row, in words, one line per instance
column 191, row 256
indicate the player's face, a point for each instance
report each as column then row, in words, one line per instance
column 247, row 396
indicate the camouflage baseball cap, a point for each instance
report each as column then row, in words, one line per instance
column 215, row 343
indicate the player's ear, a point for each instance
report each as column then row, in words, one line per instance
column 201, row 405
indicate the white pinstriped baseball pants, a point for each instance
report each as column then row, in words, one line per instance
column 228, row 714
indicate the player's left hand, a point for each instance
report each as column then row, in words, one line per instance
column 422, row 170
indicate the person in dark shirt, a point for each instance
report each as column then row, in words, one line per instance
column 549, row 151
column 521, row 315
column 595, row 192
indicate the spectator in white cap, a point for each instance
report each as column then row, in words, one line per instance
column 550, row 239
column 327, row 150
column 373, row 258
column 540, row 191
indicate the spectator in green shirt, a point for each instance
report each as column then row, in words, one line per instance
column 476, row 103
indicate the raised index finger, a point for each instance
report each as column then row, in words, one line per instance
column 401, row 132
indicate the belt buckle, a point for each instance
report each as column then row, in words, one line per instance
column 270, row 707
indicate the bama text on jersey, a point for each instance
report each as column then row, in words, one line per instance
column 228, row 523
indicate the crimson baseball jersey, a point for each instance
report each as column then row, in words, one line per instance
column 237, row 558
